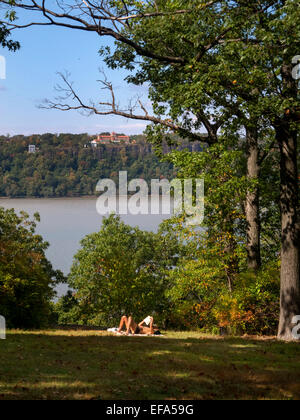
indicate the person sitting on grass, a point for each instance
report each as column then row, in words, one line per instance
column 141, row 328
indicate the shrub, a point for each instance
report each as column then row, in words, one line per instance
column 201, row 299
column 27, row 279
column 253, row 306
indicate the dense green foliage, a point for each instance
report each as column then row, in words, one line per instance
column 26, row 276
column 5, row 42
column 64, row 167
column 199, row 296
column 120, row 270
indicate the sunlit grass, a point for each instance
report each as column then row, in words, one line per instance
column 57, row 364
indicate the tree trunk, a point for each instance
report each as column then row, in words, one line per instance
column 290, row 282
column 286, row 134
column 232, row 260
column 252, row 203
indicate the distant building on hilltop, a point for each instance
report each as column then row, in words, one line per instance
column 112, row 138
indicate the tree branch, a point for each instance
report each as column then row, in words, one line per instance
column 111, row 108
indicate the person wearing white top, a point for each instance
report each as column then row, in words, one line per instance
column 145, row 327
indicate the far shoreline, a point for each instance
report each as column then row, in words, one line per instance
column 76, row 196
column 49, row 198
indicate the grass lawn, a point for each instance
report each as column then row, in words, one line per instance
column 96, row 365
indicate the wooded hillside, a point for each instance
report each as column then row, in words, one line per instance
column 67, row 165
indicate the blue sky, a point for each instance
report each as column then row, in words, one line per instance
column 31, row 74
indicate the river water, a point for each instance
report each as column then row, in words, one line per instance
column 65, row 221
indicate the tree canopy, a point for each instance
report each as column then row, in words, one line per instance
column 5, row 42
column 67, row 165
column 122, row 270
column 27, row 279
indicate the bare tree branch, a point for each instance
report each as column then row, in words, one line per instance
column 110, row 107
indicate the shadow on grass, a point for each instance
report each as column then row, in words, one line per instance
column 72, row 365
